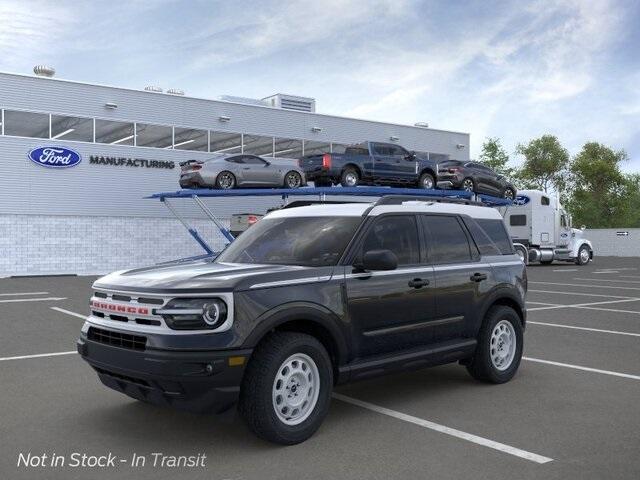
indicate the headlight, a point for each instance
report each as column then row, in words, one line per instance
column 194, row 313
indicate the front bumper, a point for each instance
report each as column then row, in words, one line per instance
column 197, row 381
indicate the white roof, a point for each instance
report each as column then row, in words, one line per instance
column 357, row 209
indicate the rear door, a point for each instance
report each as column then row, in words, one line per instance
column 382, row 160
column 390, row 310
column 460, row 277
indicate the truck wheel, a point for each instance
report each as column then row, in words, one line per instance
column 523, row 254
column 225, row 180
column 584, row 256
column 499, row 349
column 426, row 181
column 509, row 194
column 468, row 185
column 349, row 177
column 546, row 262
column 286, row 389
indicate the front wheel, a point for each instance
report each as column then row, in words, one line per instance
column 292, row 179
column 499, row 349
column 584, row 255
column 426, row 181
column 468, row 185
column 225, row 180
column 286, row 389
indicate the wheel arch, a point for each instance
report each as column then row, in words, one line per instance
column 430, row 171
column 355, row 167
column 504, row 297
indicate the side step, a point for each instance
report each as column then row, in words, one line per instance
column 437, row 354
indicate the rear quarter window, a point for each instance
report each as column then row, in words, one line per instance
column 446, row 240
column 497, row 233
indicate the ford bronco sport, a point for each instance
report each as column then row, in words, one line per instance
column 308, row 298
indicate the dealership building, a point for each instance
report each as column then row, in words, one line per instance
column 91, row 217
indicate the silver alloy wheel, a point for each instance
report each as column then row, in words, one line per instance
column 293, row 180
column 467, row 185
column 427, row 182
column 226, row 180
column 296, row 389
column 584, row 255
column 508, row 194
column 351, row 179
column 503, row 345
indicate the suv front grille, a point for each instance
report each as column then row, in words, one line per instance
column 117, row 339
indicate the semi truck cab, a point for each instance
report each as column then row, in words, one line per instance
column 542, row 231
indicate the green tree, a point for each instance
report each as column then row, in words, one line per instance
column 600, row 195
column 545, row 164
column 494, row 156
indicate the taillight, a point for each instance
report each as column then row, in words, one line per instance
column 326, row 160
column 196, row 167
column 453, row 170
column 251, row 219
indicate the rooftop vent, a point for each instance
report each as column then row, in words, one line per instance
column 44, row 71
column 421, row 124
column 291, row 102
column 153, row 88
column 175, row 91
column 244, row 100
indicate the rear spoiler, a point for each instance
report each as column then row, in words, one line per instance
column 182, row 164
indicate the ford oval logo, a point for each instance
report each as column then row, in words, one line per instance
column 55, row 157
column 521, row 200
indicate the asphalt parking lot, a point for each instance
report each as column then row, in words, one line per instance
column 573, row 410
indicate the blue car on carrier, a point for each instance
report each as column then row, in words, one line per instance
column 371, row 163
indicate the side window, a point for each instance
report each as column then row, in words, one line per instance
column 544, row 200
column 381, row 149
column 497, row 233
column 563, row 221
column 238, row 159
column 397, row 233
column 398, row 151
column 251, row 160
column 483, row 242
column 518, row 220
column 447, row 239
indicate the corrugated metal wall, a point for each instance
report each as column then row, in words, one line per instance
column 620, row 242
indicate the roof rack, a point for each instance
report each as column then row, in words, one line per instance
column 387, row 196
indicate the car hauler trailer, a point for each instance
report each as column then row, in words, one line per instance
column 541, row 230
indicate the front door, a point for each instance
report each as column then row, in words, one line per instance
column 389, row 310
column 256, row 171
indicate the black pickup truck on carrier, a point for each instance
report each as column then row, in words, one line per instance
column 308, row 298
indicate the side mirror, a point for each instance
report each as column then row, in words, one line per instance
column 410, row 156
column 583, row 227
column 379, row 260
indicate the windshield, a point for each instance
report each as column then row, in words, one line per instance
column 304, row 241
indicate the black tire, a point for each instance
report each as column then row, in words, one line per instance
column 481, row 366
column 290, row 184
column 322, row 182
column 427, row 181
column 221, row 180
column 256, row 404
column 580, row 259
column 468, row 185
column 509, row 193
column 346, row 177
column 546, row 262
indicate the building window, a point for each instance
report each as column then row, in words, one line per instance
column 156, row 136
column 287, row 148
column 338, row 148
column 316, row 148
column 221, row 142
column 114, row 133
column 190, row 139
column 26, row 124
column 72, row 128
column 258, row 145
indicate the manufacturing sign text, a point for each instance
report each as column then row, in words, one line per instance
column 130, row 162
column 55, row 157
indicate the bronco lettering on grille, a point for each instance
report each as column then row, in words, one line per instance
column 111, row 307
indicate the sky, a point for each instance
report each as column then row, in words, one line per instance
column 514, row 70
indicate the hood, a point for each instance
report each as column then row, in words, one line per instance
column 194, row 277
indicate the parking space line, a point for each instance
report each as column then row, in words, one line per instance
column 597, row 330
column 607, row 280
column 485, row 442
column 68, row 312
column 23, row 293
column 580, row 367
column 587, row 286
column 39, row 355
column 580, row 294
column 542, row 303
column 616, row 310
column 565, row 270
column 47, row 299
column 583, row 305
column 629, row 276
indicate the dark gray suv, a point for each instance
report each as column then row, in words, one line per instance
column 311, row 297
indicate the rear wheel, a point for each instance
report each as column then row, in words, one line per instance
column 286, row 389
column 350, row 177
column 584, row 255
column 225, row 180
column 426, row 181
column 468, row 185
column 292, row 179
column 499, row 349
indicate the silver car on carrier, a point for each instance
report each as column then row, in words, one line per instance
column 241, row 170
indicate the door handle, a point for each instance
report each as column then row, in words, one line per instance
column 247, row 168
column 418, row 283
column 478, row 277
